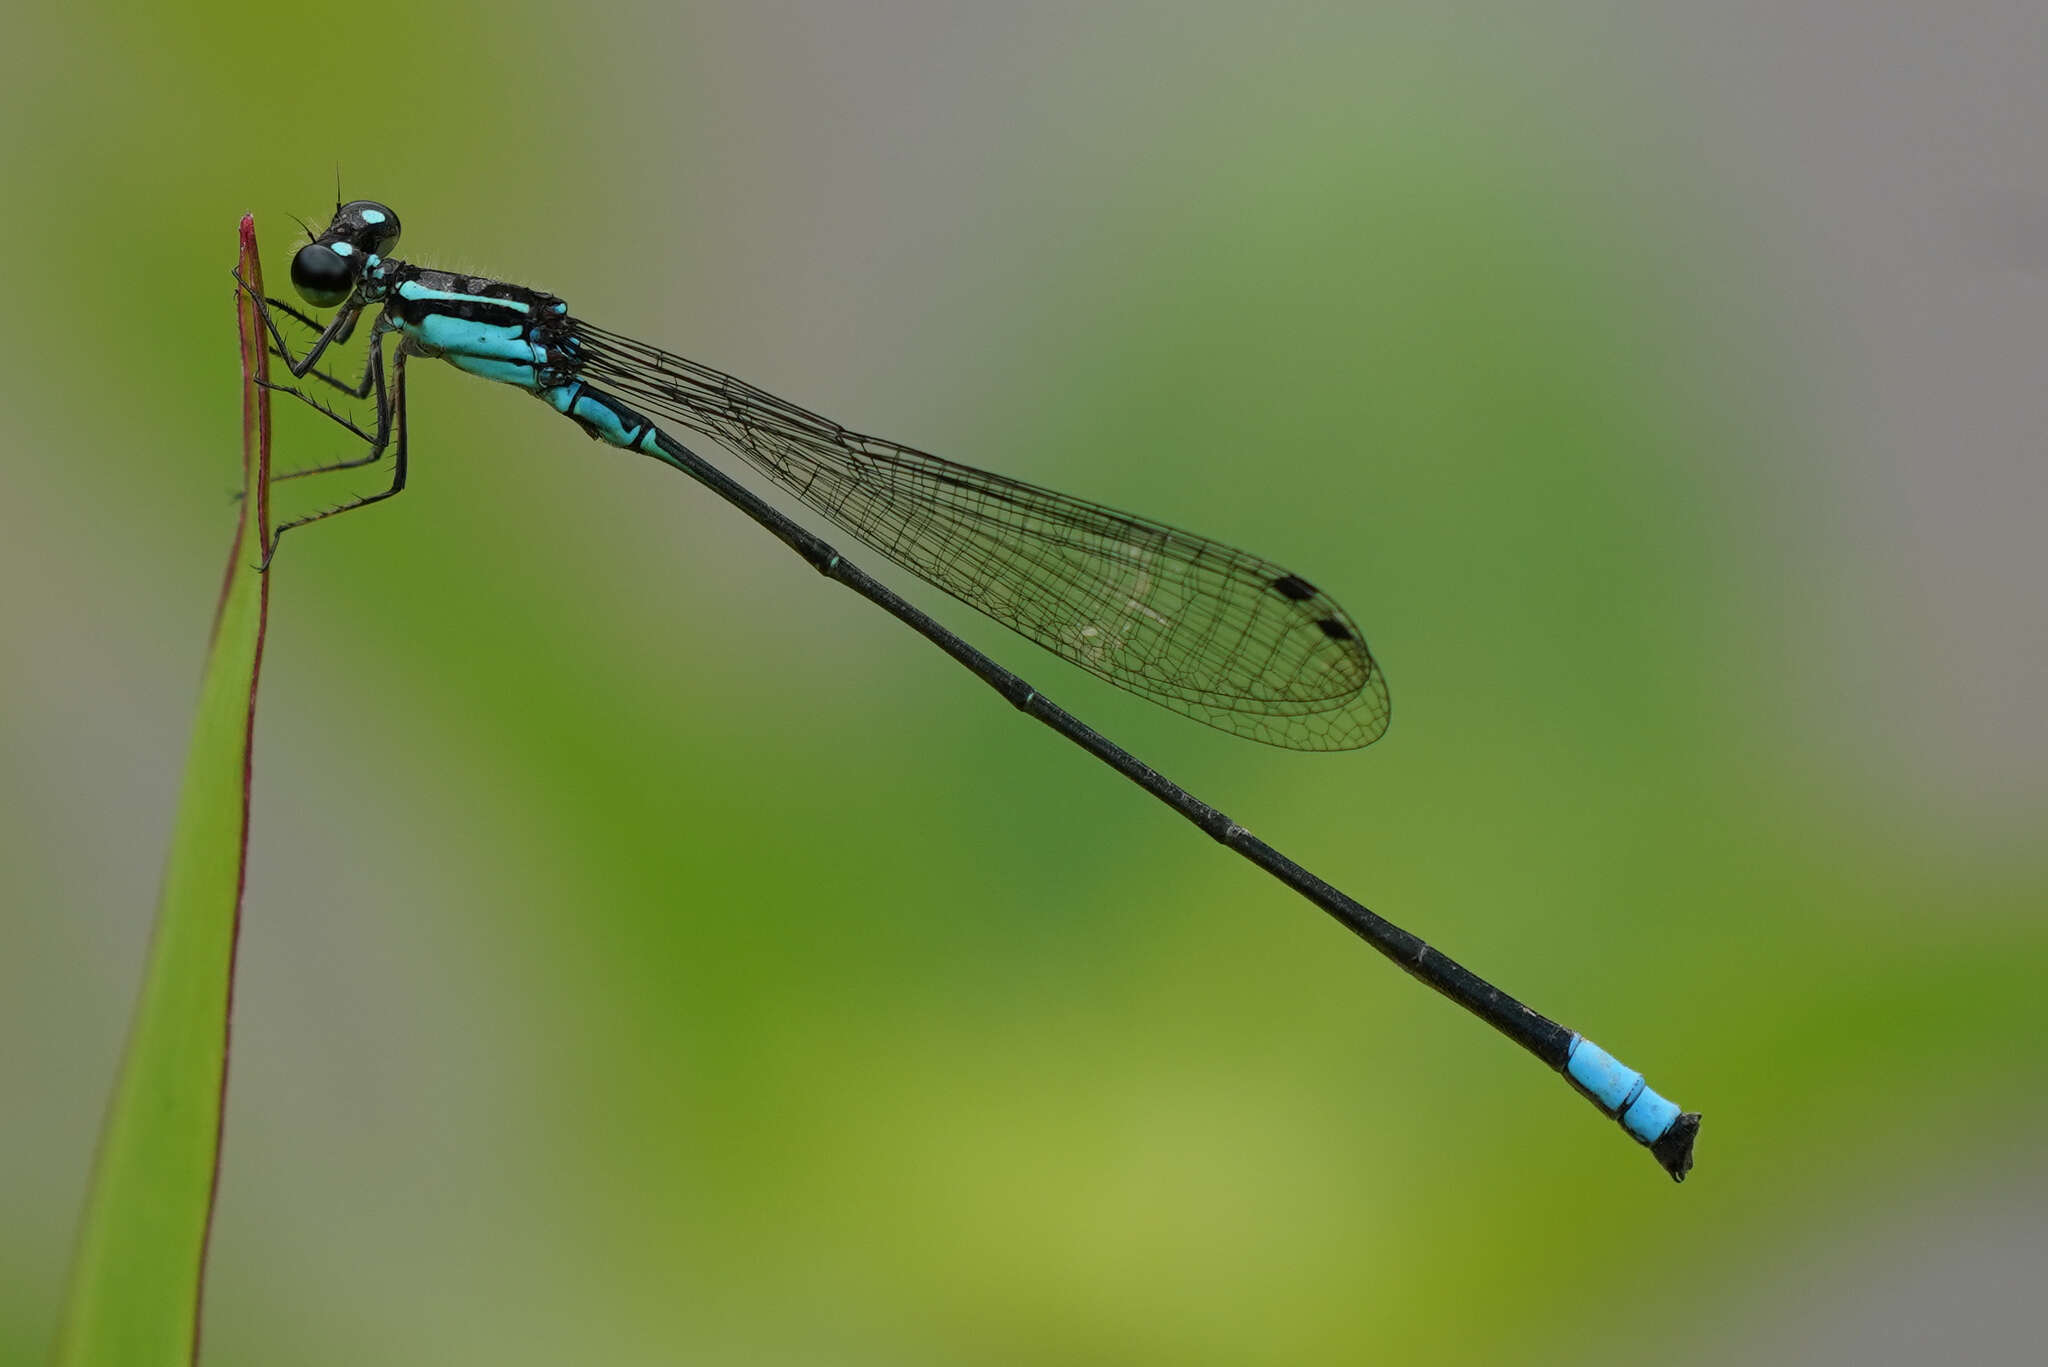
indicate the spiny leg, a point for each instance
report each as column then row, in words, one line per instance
column 344, row 323
column 373, row 371
column 391, row 431
column 311, row 323
column 361, row 388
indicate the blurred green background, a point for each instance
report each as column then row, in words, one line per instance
column 652, row 954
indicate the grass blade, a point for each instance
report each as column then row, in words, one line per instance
column 141, row 1261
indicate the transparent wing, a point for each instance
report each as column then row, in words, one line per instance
column 1213, row 633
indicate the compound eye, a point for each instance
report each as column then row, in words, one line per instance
column 321, row 275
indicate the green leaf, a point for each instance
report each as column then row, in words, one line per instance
column 141, row 1260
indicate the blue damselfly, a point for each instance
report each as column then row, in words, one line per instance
column 1230, row 639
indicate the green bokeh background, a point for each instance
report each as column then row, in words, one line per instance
column 651, row 954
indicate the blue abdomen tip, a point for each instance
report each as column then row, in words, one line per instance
column 1619, row 1090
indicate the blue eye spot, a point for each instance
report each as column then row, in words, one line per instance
column 372, row 216
column 342, row 249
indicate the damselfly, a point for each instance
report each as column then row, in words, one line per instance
column 1230, row 639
